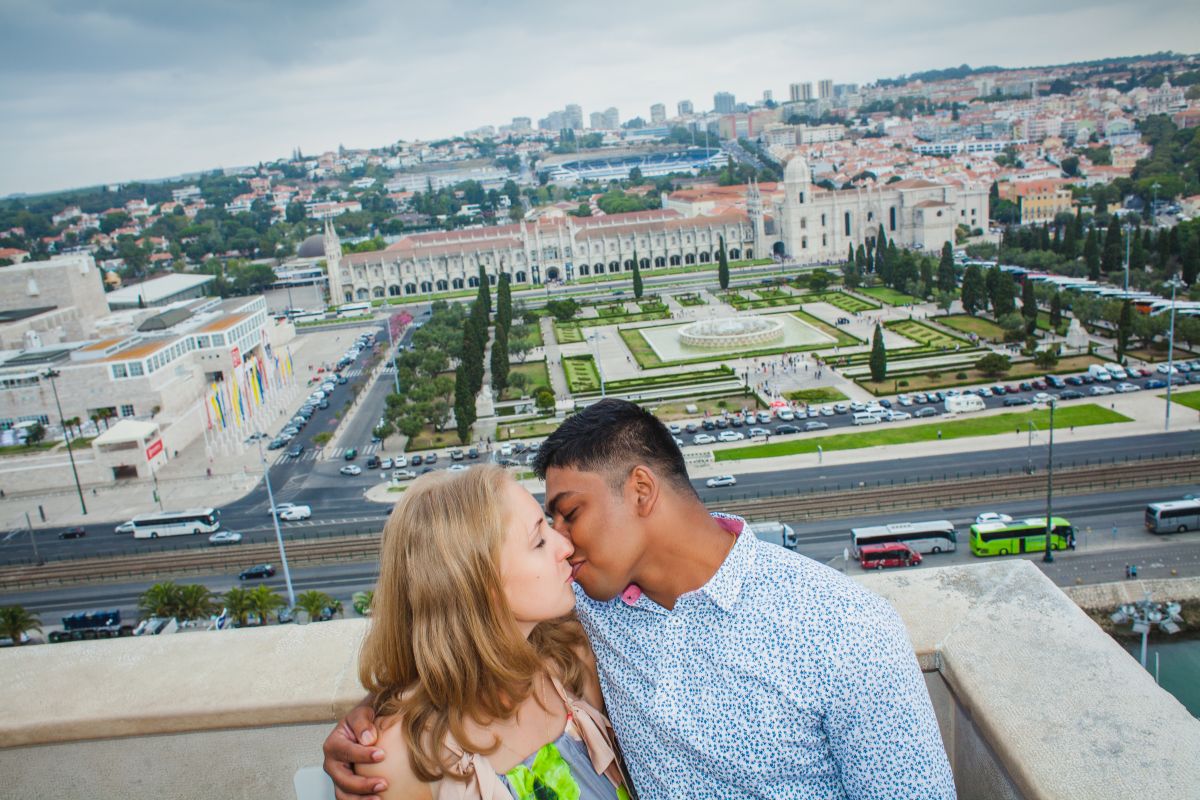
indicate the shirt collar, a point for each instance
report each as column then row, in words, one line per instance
column 726, row 585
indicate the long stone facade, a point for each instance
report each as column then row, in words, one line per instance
column 807, row 225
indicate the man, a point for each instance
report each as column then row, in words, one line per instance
column 730, row 667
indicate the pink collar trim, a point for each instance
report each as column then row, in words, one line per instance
column 733, row 525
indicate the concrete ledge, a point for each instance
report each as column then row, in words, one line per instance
column 1033, row 699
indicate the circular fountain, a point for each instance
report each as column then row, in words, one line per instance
column 730, row 332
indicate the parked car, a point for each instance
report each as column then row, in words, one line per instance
column 457, row 455
column 373, row 461
column 431, row 458
column 351, row 469
column 1075, row 380
column 387, row 463
column 783, row 430
column 721, row 480
column 473, row 453
column 815, row 425
column 225, row 537
column 257, row 571
column 758, row 432
column 730, row 436
column 403, row 475
column 1070, row 394
column 1100, row 389
column 722, row 423
column 1017, row 401
column 1125, row 388
column 709, row 425
column 416, row 460
column 277, row 443
column 896, row 416
column 927, row 411
column 703, row 438
column 464, row 467
column 786, row 414
column 674, row 429
column 295, row 513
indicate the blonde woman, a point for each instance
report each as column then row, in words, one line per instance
column 480, row 675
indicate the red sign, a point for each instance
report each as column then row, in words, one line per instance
column 154, row 449
column 237, row 357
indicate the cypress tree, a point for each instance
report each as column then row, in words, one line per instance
column 637, row 277
column 883, row 265
column 850, row 252
column 1029, row 307
column 945, row 275
column 878, row 356
column 1114, row 248
column 504, row 302
column 500, row 360
column 1124, row 328
column 882, row 241
column 1056, row 311
column 1091, row 254
column 1191, row 260
column 974, row 292
column 723, row 266
column 485, row 292
column 860, row 258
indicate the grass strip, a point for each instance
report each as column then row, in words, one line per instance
column 1070, row 416
column 889, row 296
column 1190, row 399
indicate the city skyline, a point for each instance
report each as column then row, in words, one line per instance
column 107, row 96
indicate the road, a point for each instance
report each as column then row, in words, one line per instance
column 1100, row 557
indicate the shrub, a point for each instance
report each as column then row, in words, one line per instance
column 902, row 384
column 962, row 376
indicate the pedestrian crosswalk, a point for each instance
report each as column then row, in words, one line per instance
column 318, row 454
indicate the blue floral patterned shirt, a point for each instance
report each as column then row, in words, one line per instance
column 779, row 678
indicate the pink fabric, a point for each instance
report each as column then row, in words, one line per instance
column 483, row 783
column 633, row 592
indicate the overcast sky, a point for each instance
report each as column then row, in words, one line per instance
column 94, row 92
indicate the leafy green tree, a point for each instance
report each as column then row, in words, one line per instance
column 851, row 275
column 161, row 600
column 238, row 605
column 637, row 275
column 860, row 259
column 544, row 399
column 314, row 603
column 563, row 310
column 362, row 602
column 819, row 280
column 878, row 356
column 1056, row 315
column 35, row 433
column 993, row 365
column 722, row 266
column 974, row 290
column 945, row 275
column 1002, row 292
column 295, row 212
column 1046, row 359
column 16, row 620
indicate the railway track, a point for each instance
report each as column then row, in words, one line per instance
column 802, row 507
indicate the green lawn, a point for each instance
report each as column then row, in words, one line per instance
column 614, row 310
column 534, row 371
column 677, row 409
column 772, row 294
column 690, row 300
column 568, row 332
column 525, row 430
column 924, row 334
column 1043, row 323
column 845, row 302
column 658, row 381
column 889, row 296
column 1191, row 399
column 822, row 394
column 983, row 328
column 1064, row 417
column 581, row 374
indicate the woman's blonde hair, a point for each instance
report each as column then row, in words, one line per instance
column 443, row 646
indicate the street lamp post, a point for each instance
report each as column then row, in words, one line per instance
column 287, row 573
column 1049, row 556
column 1145, row 614
column 52, row 374
column 1128, row 231
column 1174, row 283
column 1154, row 205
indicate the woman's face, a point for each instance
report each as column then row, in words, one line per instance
column 533, row 562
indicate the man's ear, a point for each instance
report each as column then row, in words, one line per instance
column 644, row 488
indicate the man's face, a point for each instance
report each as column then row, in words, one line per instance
column 602, row 526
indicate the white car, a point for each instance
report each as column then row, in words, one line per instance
column 992, row 516
column 400, row 461
column 281, row 507
column 295, row 513
column 827, row 411
column 731, row 436
column 678, row 441
column 1126, row 387
column 1098, row 389
column 403, row 475
column 674, row 428
column 720, row 480
column 351, row 469
column 225, row 537
column 386, row 463
column 758, row 432
column 124, row 527
column 904, row 400
column 457, row 468
column 506, row 449
column 1043, row 397
column 1163, row 369
column 786, row 414
column 895, row 416
column 703, row 438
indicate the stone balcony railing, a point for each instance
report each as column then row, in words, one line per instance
column 1033, row 700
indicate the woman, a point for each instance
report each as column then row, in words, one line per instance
column 483, row 679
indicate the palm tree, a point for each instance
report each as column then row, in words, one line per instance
column 263, row 601
column 336, row 607
column 238, row 605
column 161, row 600
column 362, row 602
column 15, row 620
column 314, row 603
column 196, row 601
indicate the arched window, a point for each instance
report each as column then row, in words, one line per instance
column 802, row 198
column 613, row 266
column 628, row 264
column 426, row 286
column 803, row 223
column 597, row 269
column 659, row 261
column 749, row 253
column 689, row 259
column 674, row 261
column 803, row 242
column 644, row 263
column 492, row 279
column 704, row 258
column 410, row 288
column 456, row 283
column 377, row 291
column 393, row 291
column 442, row 285
column 735, row 254
column 473, row 282
column 583, row 269
column 520, row 276
column 847, row 223
column 349, row 296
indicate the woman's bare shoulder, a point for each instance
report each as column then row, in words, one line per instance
column 396, row 768
column 591, row 680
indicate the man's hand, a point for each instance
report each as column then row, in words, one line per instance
column 351, row 743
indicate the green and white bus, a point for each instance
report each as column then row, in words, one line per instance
column 1020, row 536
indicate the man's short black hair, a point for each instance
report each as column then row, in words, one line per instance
column 612, row 437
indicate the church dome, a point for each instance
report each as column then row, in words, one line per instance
column 797, row 171
column 312, row 247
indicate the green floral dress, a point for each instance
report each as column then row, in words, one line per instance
column 561, row 770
